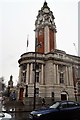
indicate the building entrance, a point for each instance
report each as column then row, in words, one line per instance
column 64, row 96
column 21, row 94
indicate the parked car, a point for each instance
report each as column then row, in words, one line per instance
column 5, row 116
column 60, row 110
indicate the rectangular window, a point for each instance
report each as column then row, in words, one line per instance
column 61, row 76
column 37, row 91
column 37, row 77
column 24, row 76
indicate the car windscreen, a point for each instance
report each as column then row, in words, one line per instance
column 55, row 105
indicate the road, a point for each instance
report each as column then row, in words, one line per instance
column 17, row 114
column 18, row 111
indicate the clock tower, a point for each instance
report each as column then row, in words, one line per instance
column 45, row 30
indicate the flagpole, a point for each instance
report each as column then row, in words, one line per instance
column 27, row 43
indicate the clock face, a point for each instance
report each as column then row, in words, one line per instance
column 46, row 10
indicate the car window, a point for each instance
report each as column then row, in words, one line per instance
column 55, row 105
column 72, row 104
column 63, row 105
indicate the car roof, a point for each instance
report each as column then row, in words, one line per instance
column 62, row 101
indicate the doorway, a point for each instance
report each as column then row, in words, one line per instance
column 64, row 96
column 21, row 94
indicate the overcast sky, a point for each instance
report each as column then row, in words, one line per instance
column 17, row 20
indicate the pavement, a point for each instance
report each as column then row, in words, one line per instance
column 13, row 103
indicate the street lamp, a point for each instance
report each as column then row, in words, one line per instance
column 78, row 80
column 36, row 46
column 74, row 81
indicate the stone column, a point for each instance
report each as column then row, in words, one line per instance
column 70, row 76
column 42, row 74
column 66, row 76
column 55, row 41
column 46, row 39
column 31, row 71
column 27, row 74
column 58, row 82
column 54, row 79
column 20, row 74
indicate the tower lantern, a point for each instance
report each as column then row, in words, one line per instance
column 45, row 29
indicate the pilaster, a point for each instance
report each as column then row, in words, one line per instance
column 20, row 74
column 66, row 76
column 31, row 71
column 46, row 40
column 27, row 74
column 54, row 79
column 42, row 74
column 70, row 76
column 55, row 40
column 57, row 75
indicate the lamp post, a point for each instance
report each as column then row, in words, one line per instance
column 36, row 46
column 74, row 81
column 35, row 78
column 78, row 80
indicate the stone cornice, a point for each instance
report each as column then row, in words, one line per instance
column 73, row 60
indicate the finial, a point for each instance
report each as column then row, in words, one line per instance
column 11, row 77
column 45, row 3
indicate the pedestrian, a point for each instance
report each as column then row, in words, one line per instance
column 43, row 102
column 14, row 95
